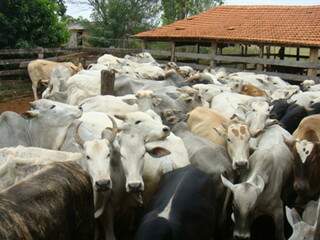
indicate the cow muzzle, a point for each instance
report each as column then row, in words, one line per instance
column 135, row 187
column 241, row 236
column 103, row 185
column 240, row 165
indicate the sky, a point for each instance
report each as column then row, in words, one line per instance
column 76, row 10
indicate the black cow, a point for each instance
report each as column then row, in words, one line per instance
column 291, row 114
column 55, row 204
column 185, row 207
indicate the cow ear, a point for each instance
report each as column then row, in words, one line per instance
column 122, row 117
column 219, row 132
column 30, row 114
column 227, row 183
column 130, row 101
column 292, row 216
column 158, row 152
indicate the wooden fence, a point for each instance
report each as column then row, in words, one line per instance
column 14, row 80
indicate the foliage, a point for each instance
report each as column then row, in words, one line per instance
column 61, row 7
column 114, row 19
column 179, row 9
column 31, row 23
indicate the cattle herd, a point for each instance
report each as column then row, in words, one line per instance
column 173, row 154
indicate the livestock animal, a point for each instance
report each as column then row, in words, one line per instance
column 17, row 163
column 234, row 135
column 307, row 227
column 259, row 191
column 45, row 125
column 40, row 71
column 185, row 207
column 56, row 203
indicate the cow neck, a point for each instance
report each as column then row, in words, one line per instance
column 52, row 138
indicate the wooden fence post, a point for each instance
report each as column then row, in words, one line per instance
column 313, row 58
column 261, row 50
column 107, row 82
column 213, row 53
column 173, row 52
column 40, row 53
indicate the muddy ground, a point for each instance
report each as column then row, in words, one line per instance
column 19, row 104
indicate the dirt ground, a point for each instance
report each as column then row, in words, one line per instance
column 18, row 105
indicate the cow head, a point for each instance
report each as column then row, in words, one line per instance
column 305, row 169
column 245, row 196
column 301, row 229
column 237, row 137
column 148, row 123
column 98, row 154
column 53, row 113
column 257, row 116
column 138, row 129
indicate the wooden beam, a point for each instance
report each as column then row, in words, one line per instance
column 276, row 62
column 259, row 65
column 13, row 72
column 13, row 61
column 298, row 54
column 107, row 82
column 40, row 53
column 213, row 53
column 314, row 55
column 173, row 52
column 143, row 45
column 63, row 58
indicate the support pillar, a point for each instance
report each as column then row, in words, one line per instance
column 143, row 45
column 173, row 52
column 107, row 82
column 313, row 58
column 260, row 66
column 298, row 54
column 213, row 53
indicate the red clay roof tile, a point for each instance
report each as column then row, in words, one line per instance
column 284, row 25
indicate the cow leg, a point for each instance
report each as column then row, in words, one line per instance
column 34, row 89
column 107, row 223
column 278, row 221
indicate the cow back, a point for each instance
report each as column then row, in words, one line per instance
column 55, row 204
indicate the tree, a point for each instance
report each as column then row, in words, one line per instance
column 31, row 23
column 174, row 10
column 114, row 19
column 61, row 7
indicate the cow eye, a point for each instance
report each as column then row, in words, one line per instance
column 88, row 157
column 228, row 139
column 108, row 155
column 137, row 122
column 53, row 106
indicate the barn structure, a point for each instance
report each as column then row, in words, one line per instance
column 77, row 35
column 266, row 27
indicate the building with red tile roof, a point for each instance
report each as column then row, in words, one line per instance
column 264, row 26
column 277, row 25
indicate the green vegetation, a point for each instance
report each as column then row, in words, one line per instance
column 32, row 23
column 118, row 19
column 174, row 10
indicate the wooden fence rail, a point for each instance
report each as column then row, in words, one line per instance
column 91, row 54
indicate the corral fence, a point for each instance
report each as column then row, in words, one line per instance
column 14, row 81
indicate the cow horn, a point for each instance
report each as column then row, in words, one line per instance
column 77, row 136
column 113, row 130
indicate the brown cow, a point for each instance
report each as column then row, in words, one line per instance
column 234, row 135
column 309, row 129
column 54, row 204
column 40, row 71
column 306, row 151
column 251, row 90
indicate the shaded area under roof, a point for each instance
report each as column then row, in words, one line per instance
column 279, row 25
